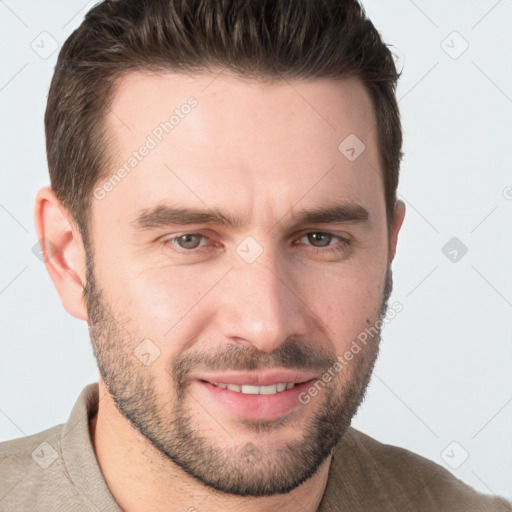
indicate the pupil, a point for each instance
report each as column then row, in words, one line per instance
column 325, row 236
column 185, row 242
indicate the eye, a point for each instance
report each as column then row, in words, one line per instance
column 318, row 242
column 322, row 238
column 188, row 241
column 324, row 241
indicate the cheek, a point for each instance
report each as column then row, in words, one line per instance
column 347, row 298
column 164, row 301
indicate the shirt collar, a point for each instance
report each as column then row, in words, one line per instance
column 78, row 452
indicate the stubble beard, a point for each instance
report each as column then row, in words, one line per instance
column 247, row 469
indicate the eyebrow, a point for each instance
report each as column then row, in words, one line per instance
column 165, row 215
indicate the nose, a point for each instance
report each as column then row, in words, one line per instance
column 260, row 305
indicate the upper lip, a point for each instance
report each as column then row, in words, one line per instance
column 258, row 378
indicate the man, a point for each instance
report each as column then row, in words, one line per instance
column 223, row 214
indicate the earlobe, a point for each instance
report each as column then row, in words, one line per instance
column 398, row 219
column 63, row 251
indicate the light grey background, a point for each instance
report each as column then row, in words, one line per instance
column 443, row 383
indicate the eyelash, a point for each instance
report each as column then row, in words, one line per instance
column 317, row 250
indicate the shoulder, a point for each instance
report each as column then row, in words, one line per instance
column 410, row 480
column 24, row 452
column 32, row 472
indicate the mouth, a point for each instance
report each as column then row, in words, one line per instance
column 255, row 395
column 247, row 389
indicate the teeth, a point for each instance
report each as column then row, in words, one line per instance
column 268, row 390
column 256, row 390
column 250, row 390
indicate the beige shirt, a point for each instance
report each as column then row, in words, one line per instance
column 56, row 470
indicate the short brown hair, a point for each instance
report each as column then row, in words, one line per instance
column 269, row 39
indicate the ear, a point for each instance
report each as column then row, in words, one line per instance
column 398, row 219
column 63, row 251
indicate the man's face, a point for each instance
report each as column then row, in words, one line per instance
column 178, row 305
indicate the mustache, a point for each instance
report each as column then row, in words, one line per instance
column 292, row 355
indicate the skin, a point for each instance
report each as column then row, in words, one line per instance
column 259, row 152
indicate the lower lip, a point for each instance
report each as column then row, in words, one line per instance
column 256, row 407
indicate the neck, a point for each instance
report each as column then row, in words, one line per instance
column 124, row 455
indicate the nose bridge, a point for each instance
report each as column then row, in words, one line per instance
column 259, row 306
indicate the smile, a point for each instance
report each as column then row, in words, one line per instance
column 256, row 390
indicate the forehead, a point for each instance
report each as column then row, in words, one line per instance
column 257, row 148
